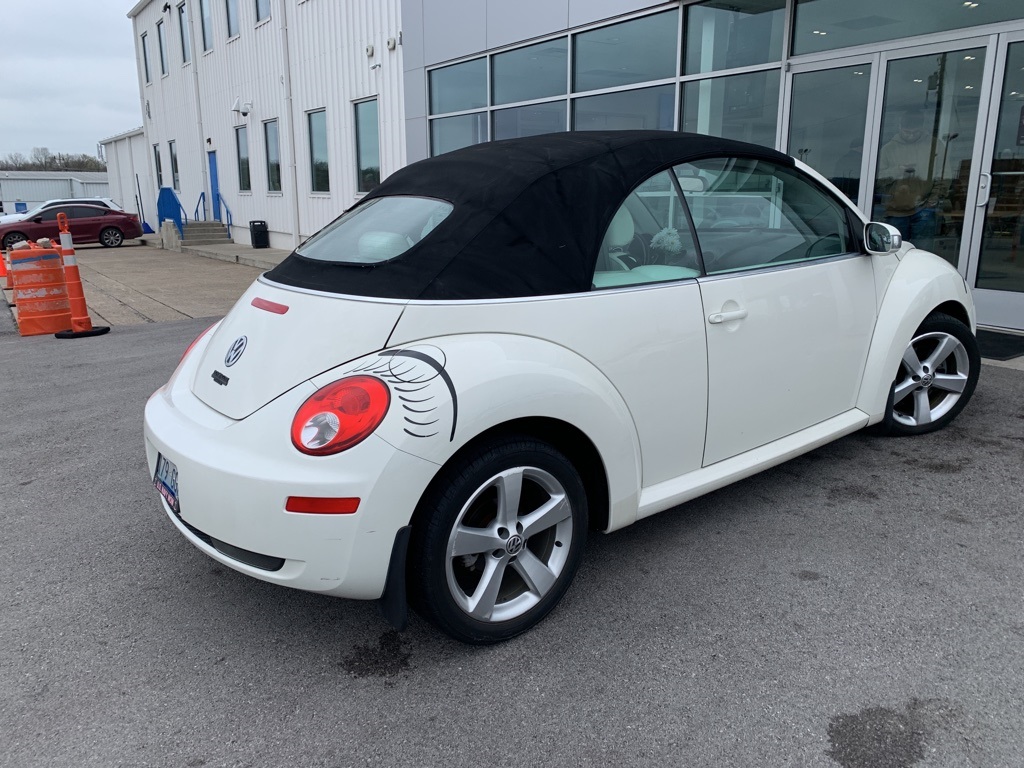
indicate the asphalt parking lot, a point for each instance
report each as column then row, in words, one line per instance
column 859, row 606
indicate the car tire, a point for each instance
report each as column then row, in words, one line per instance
column 937, row 376
column 11, row 238
column 111, row 237
column 483, row 570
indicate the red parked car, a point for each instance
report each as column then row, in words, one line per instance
column 88, row 224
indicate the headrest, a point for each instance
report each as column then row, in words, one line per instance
column 620, row 233
column 381, row 246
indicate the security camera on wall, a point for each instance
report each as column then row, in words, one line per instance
column 244, row 110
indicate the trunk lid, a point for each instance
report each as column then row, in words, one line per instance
column 274, row 339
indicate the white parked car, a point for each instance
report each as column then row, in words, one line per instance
column 106, row 202
column 437, row 396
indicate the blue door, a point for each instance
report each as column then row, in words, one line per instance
column 214, row 186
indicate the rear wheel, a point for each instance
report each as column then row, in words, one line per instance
column 498, row 540
column 11, row 238
column 111, row 237
column 937, row 376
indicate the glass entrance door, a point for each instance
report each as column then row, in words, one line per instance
column 926, row 145
column 996, row 267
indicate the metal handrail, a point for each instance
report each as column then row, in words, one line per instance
column 220, row 197
column 201, row 202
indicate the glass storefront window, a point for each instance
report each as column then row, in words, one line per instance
column 631, row 52
column 534, row 72
column 458, row 87
column 451, row 133
column 1001, row 267
column 646, row 108
column 824, row 25
column 827, row 118
column 723, row 34
column 530, row 120
column 743, row 107
column 929, row 114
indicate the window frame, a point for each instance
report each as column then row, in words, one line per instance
column 172, row 148
column 276, row 162
column 161, row 41
column 231, row 17
column 145, row 57
column 361, row 187
column 265, row 5
column 183, row 33
column 246, row 170
column 206, row 25
column 310, row 116
column 158, row 166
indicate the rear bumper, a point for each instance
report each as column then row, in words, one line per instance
column 234, row 478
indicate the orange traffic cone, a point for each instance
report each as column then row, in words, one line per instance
column 4, row 271
column 81, row 324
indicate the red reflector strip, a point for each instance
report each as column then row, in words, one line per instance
column 270, row 306
column 312, row 505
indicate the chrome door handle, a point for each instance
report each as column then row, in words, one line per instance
column 984, row 185
column 725, row 317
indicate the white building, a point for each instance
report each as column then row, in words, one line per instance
column 285, row 109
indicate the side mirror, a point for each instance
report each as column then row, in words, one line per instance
column 882, row 239
column 38, row 219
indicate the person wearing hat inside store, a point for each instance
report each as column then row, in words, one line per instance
column 907, row 168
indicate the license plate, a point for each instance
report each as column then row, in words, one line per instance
column 165, row 480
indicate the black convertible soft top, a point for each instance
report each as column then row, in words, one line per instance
column 529, row 215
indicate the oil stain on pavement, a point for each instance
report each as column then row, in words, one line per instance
column 386, row 659
column 878, row 737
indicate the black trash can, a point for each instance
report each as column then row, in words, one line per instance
column 258, row 234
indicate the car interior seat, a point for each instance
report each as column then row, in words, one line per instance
column 615, row 248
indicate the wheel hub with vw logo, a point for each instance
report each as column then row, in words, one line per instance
column 514, row 545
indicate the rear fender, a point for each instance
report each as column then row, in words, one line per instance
column 920, row 283
column 446, row 391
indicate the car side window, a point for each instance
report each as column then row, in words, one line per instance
column 50, row 214
column 648, row 240
column 753, row 213
column 85, row 212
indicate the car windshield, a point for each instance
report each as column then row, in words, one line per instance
column 377, row 231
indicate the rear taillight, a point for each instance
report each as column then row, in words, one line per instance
column 340, row 415
column 194, row 342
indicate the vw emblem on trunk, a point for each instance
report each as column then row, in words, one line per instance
column 235, row 351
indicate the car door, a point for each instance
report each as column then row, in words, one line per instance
column 47, row 225
column 788, row 298
column 86, row 222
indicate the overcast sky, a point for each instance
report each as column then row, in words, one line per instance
column 67, row 74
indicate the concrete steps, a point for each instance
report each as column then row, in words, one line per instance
column 204, row 233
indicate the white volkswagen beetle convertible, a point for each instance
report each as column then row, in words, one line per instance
column 432, row 400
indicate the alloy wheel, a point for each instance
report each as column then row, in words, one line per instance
column 509, row 545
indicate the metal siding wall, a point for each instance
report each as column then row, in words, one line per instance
column 171, row 115
column 331, row 70
column 328, row 69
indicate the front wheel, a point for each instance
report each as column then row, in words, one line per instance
column 497, row 541
column 937, row 376
column 111, row 237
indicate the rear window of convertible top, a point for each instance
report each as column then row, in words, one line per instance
column 377, row 231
